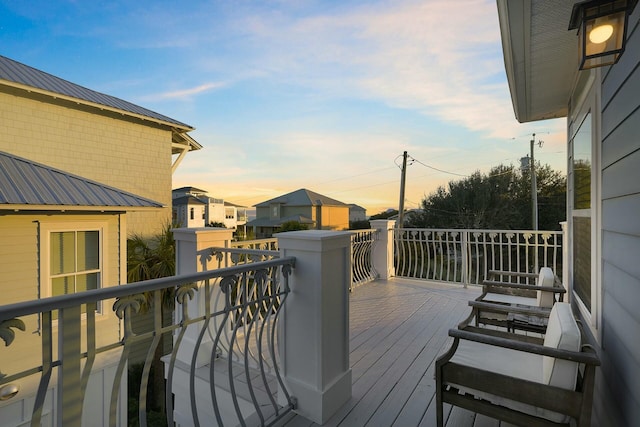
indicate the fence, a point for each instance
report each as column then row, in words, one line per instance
column 465, row 256
column 361, row 260
column 236, row 316
column 362, row 242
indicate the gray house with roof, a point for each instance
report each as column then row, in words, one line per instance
column 304, row 206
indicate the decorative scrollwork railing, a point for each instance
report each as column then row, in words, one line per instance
column 361, row 257
column 269, row 244
column 224, row 333
column 466, row 256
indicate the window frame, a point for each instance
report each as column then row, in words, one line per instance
column 46, row 230
column 587, row 102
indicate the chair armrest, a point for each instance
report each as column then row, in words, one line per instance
column 554, row 289
column 587, row 357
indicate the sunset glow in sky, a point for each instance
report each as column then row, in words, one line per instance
column 324, row 95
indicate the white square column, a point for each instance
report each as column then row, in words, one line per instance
column 193, row 254
column 314, row 327
column 382, row 250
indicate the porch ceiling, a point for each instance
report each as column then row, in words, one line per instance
column 540, row 56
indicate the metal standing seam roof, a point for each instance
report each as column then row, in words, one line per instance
column 187, row 200
column 28, row 184
column 16, row 72
column 303, row 197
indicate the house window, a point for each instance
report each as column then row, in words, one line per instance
column 192, row 213
column 584, row 205
column 74, row 262
column 581, row 171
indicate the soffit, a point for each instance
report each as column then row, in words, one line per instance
column 540, row 55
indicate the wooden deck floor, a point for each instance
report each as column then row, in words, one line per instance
column 398, row 328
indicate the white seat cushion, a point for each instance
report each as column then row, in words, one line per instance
column 546, row 278
column 562, row 333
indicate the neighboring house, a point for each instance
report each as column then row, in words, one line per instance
column 80, row 171
column 192, row 207
column 357, row 213
column 304, row 206
column 236, row 218
column 602, row 107
column 188, row 211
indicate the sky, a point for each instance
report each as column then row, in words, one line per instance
column 285, row 94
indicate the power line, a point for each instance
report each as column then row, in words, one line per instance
column 436, row 169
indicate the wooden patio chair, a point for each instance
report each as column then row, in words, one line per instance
column 515, row 305
column 520, row 379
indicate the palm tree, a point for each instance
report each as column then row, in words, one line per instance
column 152, row 258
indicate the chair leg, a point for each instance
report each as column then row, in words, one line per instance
column 439, row 408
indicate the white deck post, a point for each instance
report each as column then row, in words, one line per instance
column 383, row 248
column 565, row 259
column 314, row 327
column 193, row 255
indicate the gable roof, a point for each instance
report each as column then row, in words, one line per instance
column 303, row 197
column 27, row 185
column 187, row 200
column 16, row 74
column 189, row 189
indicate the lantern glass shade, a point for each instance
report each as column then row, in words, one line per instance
column 602, row 40
column 601, row 30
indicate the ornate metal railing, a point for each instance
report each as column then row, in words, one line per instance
column 466, row 256
column 224, row 333
column 227, row 257
column 270, row 244
column 361, row 257
column 259, row 250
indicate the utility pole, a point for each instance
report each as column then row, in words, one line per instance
column 403, row 177
column 534, row 187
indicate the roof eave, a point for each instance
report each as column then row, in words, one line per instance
column 540, row 78
column 62, row 208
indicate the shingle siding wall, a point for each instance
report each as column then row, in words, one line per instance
column 617, row 400
column 20, row 279
column 127, row 155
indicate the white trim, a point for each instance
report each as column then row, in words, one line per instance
column 587, row 95
column 58, row 225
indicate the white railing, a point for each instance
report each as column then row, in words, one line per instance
column 362, row 242
column 228, row 257
column 270, row 244
column 362, row 269
column 236, row 317
column 466, row 256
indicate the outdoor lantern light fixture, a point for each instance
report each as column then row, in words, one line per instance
column 602, row 30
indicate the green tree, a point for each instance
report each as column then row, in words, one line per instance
column 385, row 214
column 151, row 258
column 359, row 225
column 216, row 224
column 293, row 226
column 500, row 199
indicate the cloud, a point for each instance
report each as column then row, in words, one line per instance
column 183, row 94
column 440, row 57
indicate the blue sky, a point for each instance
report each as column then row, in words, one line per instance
column 324, row 95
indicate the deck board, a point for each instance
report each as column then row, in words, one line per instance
column 397, row 330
